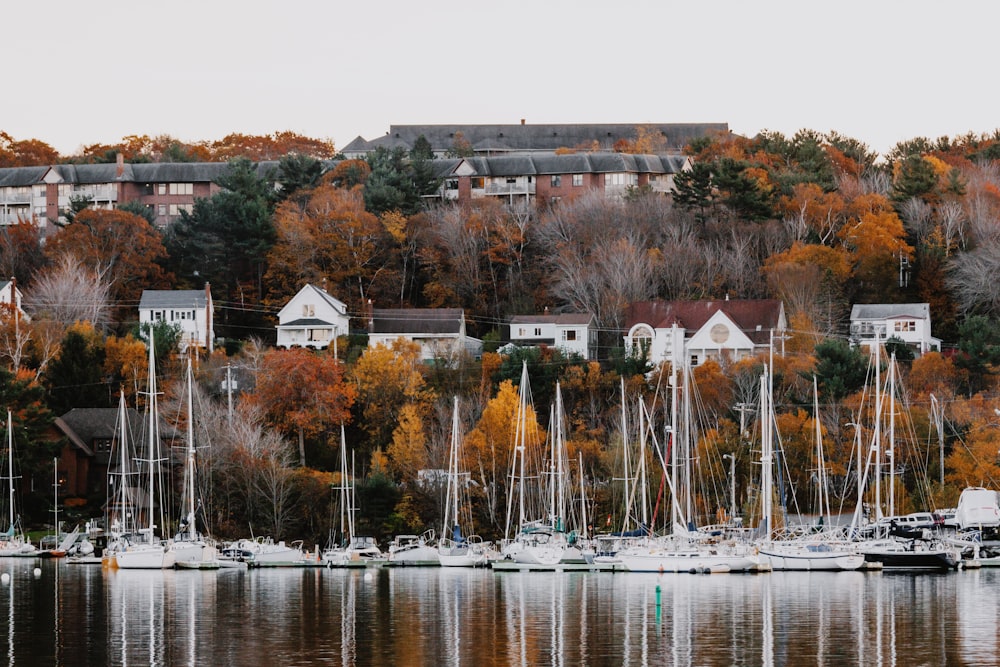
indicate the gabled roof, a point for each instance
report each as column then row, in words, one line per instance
column 755, row 317
column 567, row 319
column 14, row 177
column 417, row 320
column 886, row 311
column 180, row 298
column 84, row 425
column 305, row 322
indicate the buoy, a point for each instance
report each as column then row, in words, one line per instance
column 37, row 572
column 5, row 578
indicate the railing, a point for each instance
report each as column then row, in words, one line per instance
column 99, row 193
column 510, row 189
column 15, row 197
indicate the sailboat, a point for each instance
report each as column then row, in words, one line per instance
column 353, row 550
column 454, row 548
column 538, row 543
column 13, row 541
column 191, row 550
column 147, row 552
column 892, row 552
column 812, row 552
column 686, row 549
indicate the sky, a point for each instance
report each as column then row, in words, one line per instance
column 878, row 71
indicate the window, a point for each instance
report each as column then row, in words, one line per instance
column 162, row 209
column 556, row 181
column 906, row 325
column 694, row 359
column 477, row 182
column 175, row 209
column 569, row 334
column 161, row 188
column 511, row 180
column 522, row 331
column 538, row 331
column 102, row 445
column 308, row 310
column 451, row 184
column 577, row 180
column 181, row 188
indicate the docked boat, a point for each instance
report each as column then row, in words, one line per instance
column 915, row 555
column 265, row 552
column 455, row 549
column 414, row 550
column 13, row 541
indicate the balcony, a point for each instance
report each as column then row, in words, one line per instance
column 100, row 193
column 15, row 198
column 509, row 189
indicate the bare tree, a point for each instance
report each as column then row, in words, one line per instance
column 69, row 292
column 972, row 278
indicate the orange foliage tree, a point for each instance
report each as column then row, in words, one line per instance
column 303, row 392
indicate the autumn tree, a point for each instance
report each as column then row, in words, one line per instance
column 330, row 237
column 21, row 251
column 408, row 450
column 387, row 379
column 125, row 363
column 124, row 247
column 25, row 152
column 303, row 392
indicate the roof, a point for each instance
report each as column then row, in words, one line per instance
column 755, row 317
column 417, row 320
column 569, row 163
column 540, row 137
column 886, row 311
column 181, row 298
column 305, row 322
column 85, row 425
column 566, row 319
column 107, row 172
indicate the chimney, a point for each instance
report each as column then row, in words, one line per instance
column 522, row 121
column 119, row 165
column 546, row 310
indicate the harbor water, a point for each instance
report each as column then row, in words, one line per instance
column 55, row 613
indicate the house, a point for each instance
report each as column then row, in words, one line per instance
column 909, row 322
column 91, row 433
column 10, row 300
column 573, row 333
column 312, row 318
column 703, row 330
column 552, row 177
column 190, row 310
column 440, row 332
column 91, row 452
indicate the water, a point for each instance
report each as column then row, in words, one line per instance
column 81, row 615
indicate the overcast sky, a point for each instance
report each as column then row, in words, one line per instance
column 93, row 72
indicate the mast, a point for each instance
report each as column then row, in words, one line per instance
column 451, row 500
column 766, row 454
column 189, row 471
column 152, row 433
column 10, row 471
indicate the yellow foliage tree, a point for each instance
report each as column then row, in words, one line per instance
column 976, row 460
column 387, row 379
column 408, row 450
column 126, row 360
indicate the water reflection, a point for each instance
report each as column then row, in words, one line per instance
column 81, row 615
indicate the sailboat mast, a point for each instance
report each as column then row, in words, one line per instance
column 451, row 500
column 766, row 454
column 560, row 453
column 674, row 506
column 891, row 453
column 10, row 469
column 152, row 433
column 189, row 470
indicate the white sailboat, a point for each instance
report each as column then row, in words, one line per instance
column 812, row 552
column 191, row 549
column 354, row 550
column 147, row 552
column 455, row 549
column 13, row 541
column 686, row 549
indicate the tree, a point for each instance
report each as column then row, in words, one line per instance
column 915, row 178
column 225, row 241
column 298, row 172
column 303, row 392
column 76, row 376
column 387, row 379
column 67, row 292
column 123, row 246
column 21, row 254
column 693, row 190
column 126, row 363
column 390, row 185
column 408, row 450
column 978, row 350
column 840, row 369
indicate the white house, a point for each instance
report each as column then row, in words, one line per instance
column 440, row 332
column 10, row 300
column 909, row 322
column 703, row 330
column 312, row 318
column 573, row 333
column 191, row 310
